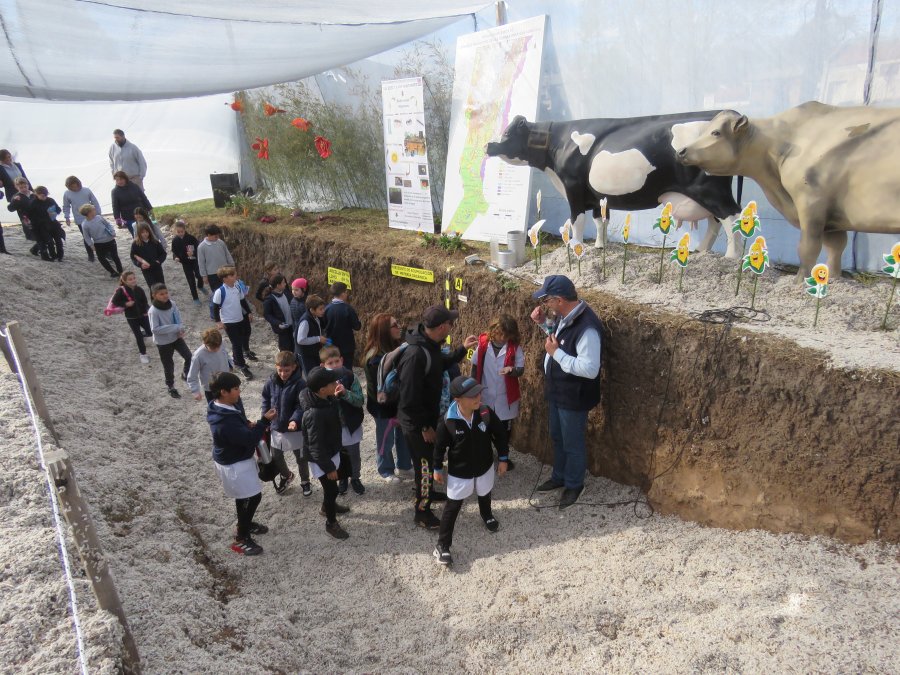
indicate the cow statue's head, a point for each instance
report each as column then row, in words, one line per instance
column 716, row 149
column 513, row 144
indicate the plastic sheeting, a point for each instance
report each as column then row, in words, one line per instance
column 89, row 50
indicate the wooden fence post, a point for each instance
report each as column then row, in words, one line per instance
column 29, row 376
column 75, row 510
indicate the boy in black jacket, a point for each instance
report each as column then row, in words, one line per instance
column 341, row 321
column 184, row 251
column 467, row 431
column 321, row 427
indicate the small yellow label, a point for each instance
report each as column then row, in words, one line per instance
column 470, row 354
column 458, row 283
column 334, row 274
column 414, row 273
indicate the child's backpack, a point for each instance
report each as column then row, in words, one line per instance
column 388, row 384
column 115, row 309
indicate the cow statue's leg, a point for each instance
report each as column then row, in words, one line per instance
column 732, row 239
column 578, row 228
column 835, row 243
column 713, row 226
column 601, row 232
column 809, row 249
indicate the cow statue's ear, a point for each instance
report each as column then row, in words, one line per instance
column 519, row 121
column 741, row 124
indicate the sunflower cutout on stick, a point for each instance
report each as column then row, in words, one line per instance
column 663, row 224
column 892, row 267
column 566, row 232
column 680, row 256
column 626, row 230
column 746, row 226
column 756, row 261
column 817, row 286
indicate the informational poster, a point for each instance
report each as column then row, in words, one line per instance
column 406, row 155
column 497, row 77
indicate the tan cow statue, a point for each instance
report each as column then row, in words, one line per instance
column 828, row 170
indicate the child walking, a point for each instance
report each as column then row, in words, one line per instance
column 76, row 196
column 277, row 311
column 132, row 297
column 213, row 253
column 168, row 334
column 282, row 393
column 229, row 308
column 321, row 426
column 310, row 336
column 100, row 236
column 465, row 434
column 234, row 440
column 184, row 251
column 350, row 406
column 42, row 211
column 207, row 361
column 497, row 363
column 148, row 254
column 141, row 215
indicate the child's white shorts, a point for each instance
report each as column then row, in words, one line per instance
column 460, row 488
column 287, row 441
column 239, row 480
column 317, row 470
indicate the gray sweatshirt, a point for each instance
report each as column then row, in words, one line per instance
column 211, row 255
column 127, row 158
column 165, row 324
column 205, row 364
column 73, row 201
column 97, row 230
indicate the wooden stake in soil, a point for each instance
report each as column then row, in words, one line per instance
column 893, row 268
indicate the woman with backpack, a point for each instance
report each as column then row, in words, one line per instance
column 384, row 337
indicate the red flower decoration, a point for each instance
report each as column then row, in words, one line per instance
column 262, row 148
column 237, row 106
column 301, row 124
column 270, row 110
column 323, row 147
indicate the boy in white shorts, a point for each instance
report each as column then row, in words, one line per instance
column 466, row 434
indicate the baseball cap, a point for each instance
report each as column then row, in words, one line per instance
column 299, row 283
column 556, row 284
column 320, row 377
column 437, row 314
column 464, row 387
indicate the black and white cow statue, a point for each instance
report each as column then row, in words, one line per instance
column 630, row 162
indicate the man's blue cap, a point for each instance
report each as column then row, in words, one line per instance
column 556, row 284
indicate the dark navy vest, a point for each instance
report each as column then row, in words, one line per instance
column 571, row 392
column 311, row 352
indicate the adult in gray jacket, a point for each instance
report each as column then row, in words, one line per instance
column 126, row 156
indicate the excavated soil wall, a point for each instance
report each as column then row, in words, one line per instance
column 717, row 424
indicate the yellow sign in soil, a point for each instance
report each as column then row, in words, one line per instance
column 334, row 274
column 414, row 273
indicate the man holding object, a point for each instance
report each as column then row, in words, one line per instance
column 571, row 380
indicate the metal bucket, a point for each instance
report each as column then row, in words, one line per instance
column 506, row 260
column 515, row 242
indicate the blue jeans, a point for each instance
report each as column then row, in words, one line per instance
column 385, row 462
column 567, row 430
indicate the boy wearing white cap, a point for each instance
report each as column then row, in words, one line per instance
column 466, row 434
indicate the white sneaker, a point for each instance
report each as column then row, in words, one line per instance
column 145, row 359
column 391, row 479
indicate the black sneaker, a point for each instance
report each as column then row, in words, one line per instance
column 569, row 497
column 113, row 275
column 250, row 355
column 442, row 555
column 307, row 489
column 492, row 524
column 173, row 392
column 338, row 508
column 283, row 483
column 427, row 520
column 246, row 546
column 357, row 486
column 510, row 465
column 247, row 372
column 549, row 486
column 342, row 486
column 336, row 531
column 184, row 376
column 258, row 528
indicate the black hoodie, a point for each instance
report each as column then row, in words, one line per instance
column 419, row 403
column 321, row 427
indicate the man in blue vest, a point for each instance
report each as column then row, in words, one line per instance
column 571, row 381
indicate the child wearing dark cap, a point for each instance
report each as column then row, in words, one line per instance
column 321, row 426
column 466, row 434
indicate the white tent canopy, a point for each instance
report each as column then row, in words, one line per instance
column 131, row 50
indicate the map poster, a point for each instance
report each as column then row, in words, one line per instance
column 406, row 155
column 497, row 77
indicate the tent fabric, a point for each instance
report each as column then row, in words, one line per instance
column 93, row 50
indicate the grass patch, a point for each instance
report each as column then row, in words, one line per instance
column 199, row 207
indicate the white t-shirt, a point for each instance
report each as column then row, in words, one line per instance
column 230, row 300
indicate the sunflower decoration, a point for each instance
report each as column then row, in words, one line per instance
column 626, row 230
column 758, row 258
column 892, row 268
column 817, row 282
column 748, row 224
column 682, row 251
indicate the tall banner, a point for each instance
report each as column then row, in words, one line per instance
column 497, row 77
column 406, row 155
